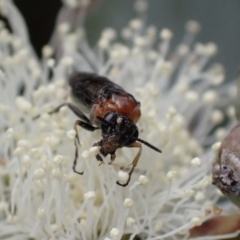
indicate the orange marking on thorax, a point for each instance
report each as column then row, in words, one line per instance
column 122, row 104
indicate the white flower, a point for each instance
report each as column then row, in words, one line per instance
column 179, row 92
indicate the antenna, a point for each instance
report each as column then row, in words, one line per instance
column 149, row 145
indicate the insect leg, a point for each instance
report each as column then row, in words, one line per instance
column 72, row 107
column 86, row 126
column 134, row 163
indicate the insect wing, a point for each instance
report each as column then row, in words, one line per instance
column 85, row 87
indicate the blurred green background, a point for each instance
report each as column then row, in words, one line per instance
column 220, row 20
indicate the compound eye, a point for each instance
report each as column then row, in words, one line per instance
column 109, row 123
column 111, row 117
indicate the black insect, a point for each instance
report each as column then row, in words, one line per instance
column 111, row 109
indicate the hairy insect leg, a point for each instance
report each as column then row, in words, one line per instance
column 86, row 126
column 73, row 108
column 134, row 162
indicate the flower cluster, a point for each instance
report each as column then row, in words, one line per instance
column 183, row 99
